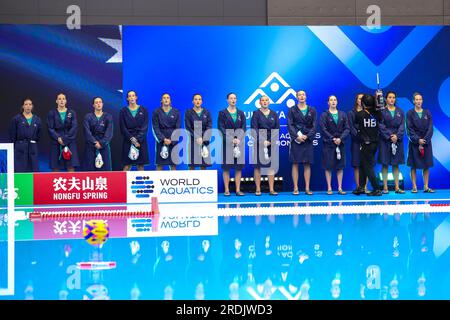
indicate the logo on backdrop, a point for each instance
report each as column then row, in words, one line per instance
column 73, row 187
column 274, row 86
column 278, row 90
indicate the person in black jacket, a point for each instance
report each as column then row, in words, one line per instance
column 368, row 121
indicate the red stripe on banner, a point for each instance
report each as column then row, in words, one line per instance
column 155, row 210
column 80, row 187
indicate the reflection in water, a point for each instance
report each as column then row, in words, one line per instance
column 351, row 256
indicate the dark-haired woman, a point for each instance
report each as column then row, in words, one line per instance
column 25, row 132
column 391, row 151
column 232, row 125
column 356, row 142
column 335, row 129
column 419, row 124
column 198, row 123
column 165, row 120
column 302, row 130
column 62, row 127
column 98, row 132
column 133, row 120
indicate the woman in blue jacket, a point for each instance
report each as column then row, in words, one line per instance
column 391, row 152
column 98, row 132
column 25, row 132
column 419, row 125
column 232, row 125
column 198, row 123
column 133, row 120
column 62, row 127
column 335, row 129
column 265, row 125
column 302, row 130
column 356, row 142
column 165, row 120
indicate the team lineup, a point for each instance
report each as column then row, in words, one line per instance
column 369, row 126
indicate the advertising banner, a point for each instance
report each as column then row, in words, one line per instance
column 172, row 186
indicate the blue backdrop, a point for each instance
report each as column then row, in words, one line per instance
column 40, row 61
column 278, row 61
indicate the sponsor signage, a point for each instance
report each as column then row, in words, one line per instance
column 138, row 187
column 172, row 186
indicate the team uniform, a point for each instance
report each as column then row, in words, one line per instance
column 333, row 128
column 101, row 130
column 64, row 126
column 134, row 126
column 197, row 124
column 305, row 121
column 25, row 135
column 419, row 128
column 391, row 123
column 163, row 125
column 237, row 123
column 355, row 140
column 260, row 121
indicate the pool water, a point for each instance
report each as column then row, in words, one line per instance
column 289, row 256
